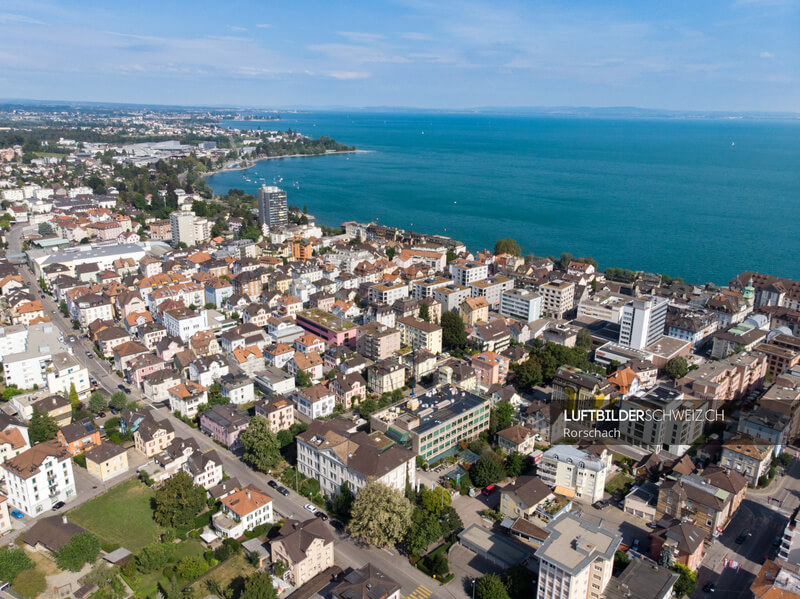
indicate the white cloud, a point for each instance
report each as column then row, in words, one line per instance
column 347, row 75
column 12, row 18
column 263, row 25
column 767, row 55
column 360, row 37
column 236, row 28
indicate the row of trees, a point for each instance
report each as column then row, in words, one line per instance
column 545, row 360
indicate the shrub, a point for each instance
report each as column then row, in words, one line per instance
column 12, row 562
column 191, row 567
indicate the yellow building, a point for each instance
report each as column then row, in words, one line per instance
column 106, row 461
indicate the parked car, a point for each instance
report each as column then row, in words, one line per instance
column 489, row 490
column 58, row 505
column 114, row 411
column 635, row 545
column 322, row 516
column 337, row 525
column 273, row 484
column 709, row 587
column 283, row 491
column 741, row 539
column 17, row 514
column 101, row 415
column 123, row 388
column 309, row 508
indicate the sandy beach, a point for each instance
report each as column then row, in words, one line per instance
column 263, row 158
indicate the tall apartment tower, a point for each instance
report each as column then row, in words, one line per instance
column 272, row 209
column 182, row 225
column 643, row 321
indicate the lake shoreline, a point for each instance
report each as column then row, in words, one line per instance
column 265, row 158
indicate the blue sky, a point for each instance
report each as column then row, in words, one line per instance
column 701, row 54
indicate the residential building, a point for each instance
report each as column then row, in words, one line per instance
column 451, row 296
column 316, row 401
column 491, row 288
column 491, row 336
column 278, row 410
column 558, row 297
column 377, row 341
column 106, row 461
column 490, row 369
column 224, row 424
column 576, row 560
column 603, row 305
column 386, row 376
column 432, row 425
column 38, row 478
column 420, row 334
column 186, row 397
column 749, row 456
column 272, row 207
column 238, row 388
column 521, row 498
column 523, row 304
column 642, row 580
column 65, row 372
column 465, row 272
column 777, row 579
column 683, row 540
column 306, row 548
column 643, row 322
column 79, row 436
column 184, row 322
column 366, row 582
column 388, row 293
column 727, row 379
column 274, row 381
column 474, row 310
column 243, row 510
column 350, row 389
column 150, row 436
column 331, row 454
column 516, row 438
column 671, row 423
column 571, row 468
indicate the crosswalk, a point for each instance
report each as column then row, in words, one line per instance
column 421, row 592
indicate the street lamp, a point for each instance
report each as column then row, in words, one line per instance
column 473, row 588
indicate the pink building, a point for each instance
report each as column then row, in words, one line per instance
column 334, row 330
column 490, row 368
column 224, row 424
column 143, row 365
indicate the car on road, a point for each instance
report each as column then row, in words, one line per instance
column 283, row 491
column 58, row 505
column 101, row 414
column 273, row 484
column 322, row 516
column 709, row 587
column 123, row 388
column 17, row 514
column 309, row 508
column 741, row 539
column 114, row 411
column 71, row 338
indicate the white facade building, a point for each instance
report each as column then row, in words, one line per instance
column 642, row 322
column 572, row 468
column 67, row 371
column 523, row 304
column 38, row 478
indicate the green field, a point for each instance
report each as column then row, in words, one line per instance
column 620, row 483
column 123, row 516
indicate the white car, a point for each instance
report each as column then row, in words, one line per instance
column 310, row 508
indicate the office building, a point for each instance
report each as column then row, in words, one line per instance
column 272, row 208
column 432, row 425
column 558, row 297
column 642, row 322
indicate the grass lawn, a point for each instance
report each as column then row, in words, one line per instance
column 619, row 483
column 122, row 515
column 236, row 567
column 42, row 563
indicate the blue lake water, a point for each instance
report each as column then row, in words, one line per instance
column 701, row 199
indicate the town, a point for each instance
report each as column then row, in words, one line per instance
column 218, row 396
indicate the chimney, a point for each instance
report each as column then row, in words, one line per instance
column 248, row 494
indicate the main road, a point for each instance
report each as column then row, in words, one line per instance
column 348, row 551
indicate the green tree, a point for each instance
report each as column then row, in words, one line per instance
column 504, row 415
column 367, row 408
column 41, row 427
column 118, row 400
column 435, row 500
column 62, row 305
column 390, row 251
column 507, row 246
column 82, row 549
column 687, row 581
column 490, row 586
column 178, row 501
column 191, row 567
column 439, row 565
column 381, row 515
column 259, row 586
column 676, row 368
column 454, row 334
column 45, row 229
column 486, row 471
column 515, row 464
column 260, row 444
column 449, row 519
column 153, row 557
column 73, row 396
column 342, row 504
column 424, row 312
column 97, row 402
column 12, row 562
column 584, row 339
column 423, row 531
column 303, row 379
